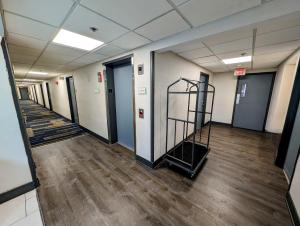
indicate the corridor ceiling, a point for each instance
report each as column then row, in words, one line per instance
column 31, row 25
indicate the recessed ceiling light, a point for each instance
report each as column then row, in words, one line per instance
column 237, row 60
column 38, row 73
column 75, row 40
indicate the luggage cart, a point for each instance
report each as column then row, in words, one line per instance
column 187, row 154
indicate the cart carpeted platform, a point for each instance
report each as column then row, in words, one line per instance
column 44, row 126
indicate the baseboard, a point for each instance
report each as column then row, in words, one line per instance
column 6, row 196
column 94, row 134
column 144, row 161
column 149, row 163
column 221, row 123
column 292, row 209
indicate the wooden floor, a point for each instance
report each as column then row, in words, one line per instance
column 85, row 182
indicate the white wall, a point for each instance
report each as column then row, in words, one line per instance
column 168, row 68
column 295, row 187
column 18, row 92
column 282, row 90
column 225, row 85
column 59, row 96
column 45, row 95
column 91, row 99
column 14, row 167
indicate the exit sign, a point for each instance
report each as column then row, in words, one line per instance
column 240, row 71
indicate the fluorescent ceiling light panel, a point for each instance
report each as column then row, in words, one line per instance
column 238, row 60
column 37, row 73
column 75, row 40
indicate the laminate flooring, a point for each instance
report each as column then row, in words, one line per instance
column 86, row 182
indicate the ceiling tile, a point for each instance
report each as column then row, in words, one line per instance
column 130, row 13
column 243, row 65
column 52, row 58
column 196, row 53
column 22, row 58
column 195, row 44
column 107, row 30
column 25, row 41
column 200, row 12
column 234, row 54
column 21, row 69
column 209, row 59
column 228, row 36
column 110, row 50
column 64, row 50
column 284, row 35
column 27, row 27
column 179, row 2
column 164, row 26
column 259, row 64
column 241, row 44
column 130, row 40
column 51, row 12
column 279, row 23
column 14, row 49
column 286, row 46
column 273, row 57
column 90, row 58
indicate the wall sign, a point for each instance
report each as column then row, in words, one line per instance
column 99, row 77
column 240, row 71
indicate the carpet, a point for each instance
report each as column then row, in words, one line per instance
column 45, row 126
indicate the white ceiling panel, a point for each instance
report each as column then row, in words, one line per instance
column 279, row 23
column 286, row 46
column 179, row 2
column 164, row 26
column 64, row 50
column 200, row 12
column 228, row 36
column 27, row 27
column 25, row 41
column 51, row 12
column 279, row 56
column 217, row 68
column 90, row 58
column 284, row 35
column 259, row 64
column 197, row 53
column 195, row 44
column 130, row 13
column 14, row 49
column 52, row 58
column 107, row 30
column 22, row 58
column 241, row 44
column 21, row 69
column 235, row 54
column 110, row 50
column 130, row 40
column 203, row 60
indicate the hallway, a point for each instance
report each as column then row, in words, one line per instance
column 45, row 126
column 87, row 182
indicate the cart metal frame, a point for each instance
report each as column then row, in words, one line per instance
column 187, row 145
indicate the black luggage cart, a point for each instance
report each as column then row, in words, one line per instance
column 187, row 154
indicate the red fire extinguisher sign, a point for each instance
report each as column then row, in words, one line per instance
column 99, row 77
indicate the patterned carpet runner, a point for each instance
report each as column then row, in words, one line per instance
column 44, row 126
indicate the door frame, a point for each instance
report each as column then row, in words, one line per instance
column 70, row 99
column 43, row 97
column 110, row 106
column 32, row 167
column 289, row 121
column 273, row 73
column 36, row 98
column 205, row 95
column 49, row 96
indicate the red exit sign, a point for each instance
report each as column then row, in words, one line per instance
column 240, row 71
